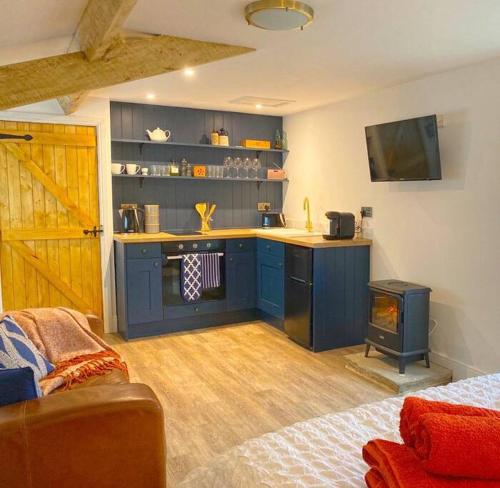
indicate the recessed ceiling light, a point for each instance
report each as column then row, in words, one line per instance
column 150, row 96
column 279, row 14
column 258, row 106
column 189, row 72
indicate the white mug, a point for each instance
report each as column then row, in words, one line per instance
column 133, row 169
column 144, row 171
column 117, row 168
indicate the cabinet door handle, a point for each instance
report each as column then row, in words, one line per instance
column 240, row 245
column 280, row 265
column 230, row 260
column 156, row 264
column 144, row 250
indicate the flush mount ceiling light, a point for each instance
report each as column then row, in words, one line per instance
column 279, row 14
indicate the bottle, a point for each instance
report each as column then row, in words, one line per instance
column 277, row 140
column 284, row 141
column 189, row 170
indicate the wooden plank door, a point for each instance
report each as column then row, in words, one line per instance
column 49, row 197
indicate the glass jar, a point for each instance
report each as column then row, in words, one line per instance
column 174, row 169
column 184, row 165
column 189, row 170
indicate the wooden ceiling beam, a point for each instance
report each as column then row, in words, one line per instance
column 126, row 60
column 101, row 22
column 98, row 28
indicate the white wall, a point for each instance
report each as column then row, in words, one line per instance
column 93, row 111
column 445, row 234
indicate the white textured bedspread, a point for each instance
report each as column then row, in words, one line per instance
column 326, row 451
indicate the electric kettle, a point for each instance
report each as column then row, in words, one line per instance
column 129, row 213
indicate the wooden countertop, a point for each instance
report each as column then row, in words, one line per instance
column 313, row 241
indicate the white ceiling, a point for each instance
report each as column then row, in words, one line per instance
column 352, row 47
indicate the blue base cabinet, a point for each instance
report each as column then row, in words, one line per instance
column 337, row 300
column 271, row 278
column 340, row 296
column 138, row 284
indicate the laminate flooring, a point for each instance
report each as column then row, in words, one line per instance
column 224, row 385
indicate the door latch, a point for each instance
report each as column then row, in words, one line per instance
column 94, row 231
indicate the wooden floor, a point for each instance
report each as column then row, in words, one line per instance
column 224, row 385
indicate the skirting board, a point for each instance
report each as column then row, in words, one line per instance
column 460, row 370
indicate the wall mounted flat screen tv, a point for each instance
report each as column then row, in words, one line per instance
column 407, row 150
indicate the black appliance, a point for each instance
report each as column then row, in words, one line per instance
column 172, row 254
column 273, row 219
column 298, row 294
column 130, row 220
column 342, row 225
column 404, row 150
column 398, row 323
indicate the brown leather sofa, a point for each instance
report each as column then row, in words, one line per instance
column 107, row 433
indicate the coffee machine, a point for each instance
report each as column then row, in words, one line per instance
column 342, row 225
column 130, row 221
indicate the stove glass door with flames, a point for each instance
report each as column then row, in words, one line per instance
column 385, row 311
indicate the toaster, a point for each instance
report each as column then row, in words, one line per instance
column 342, row 225
column 273, row 219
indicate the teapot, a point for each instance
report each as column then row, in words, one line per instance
column 158, row 134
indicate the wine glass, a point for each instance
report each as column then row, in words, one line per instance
column 247, row 164
column 237, row 167
column 256, row 165
column 228, row 165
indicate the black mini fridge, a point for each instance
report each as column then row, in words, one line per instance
column 298, row 294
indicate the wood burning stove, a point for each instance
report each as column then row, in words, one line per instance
column 398, row 323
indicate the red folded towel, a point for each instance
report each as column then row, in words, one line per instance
column 413, row 407
column 455, row 445
column 397, row 466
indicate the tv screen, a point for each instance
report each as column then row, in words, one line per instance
column 405, row 150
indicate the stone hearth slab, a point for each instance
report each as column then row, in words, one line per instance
column 383, row 370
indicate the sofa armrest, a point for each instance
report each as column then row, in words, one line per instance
column 105, row 436
column 96, row 325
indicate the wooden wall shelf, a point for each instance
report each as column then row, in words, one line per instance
column 197, row 178
column 204, row 146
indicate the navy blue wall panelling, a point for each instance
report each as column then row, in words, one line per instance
column 236, row 201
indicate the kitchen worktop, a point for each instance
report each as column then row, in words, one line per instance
column 298, row 237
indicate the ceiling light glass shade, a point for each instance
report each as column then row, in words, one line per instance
column 279, row 14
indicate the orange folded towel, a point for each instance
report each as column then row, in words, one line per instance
column 397, row 466
column 413, row 407
column 455, row 445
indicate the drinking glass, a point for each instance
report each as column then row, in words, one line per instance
column 220, row 171
column 247, row 167
column 155, row 170
column 164, row 170
column 211, row 171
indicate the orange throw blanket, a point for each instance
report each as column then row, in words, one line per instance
column 413, row 407
column 460, row 446
column 397, row 466
column 65, row 338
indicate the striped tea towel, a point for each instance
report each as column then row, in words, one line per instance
column 210, row 270
column 191, row 277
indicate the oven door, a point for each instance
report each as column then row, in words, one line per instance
column 172, row 282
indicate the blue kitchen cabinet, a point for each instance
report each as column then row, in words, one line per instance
column 139, row 299
column 270, row 278
column 240, row 280
column 144, row 290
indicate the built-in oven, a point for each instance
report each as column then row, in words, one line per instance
column 172, row 256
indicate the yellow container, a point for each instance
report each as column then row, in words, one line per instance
column 199, row 171
column 256, row 143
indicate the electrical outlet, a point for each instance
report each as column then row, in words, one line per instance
column 263, row 206
column 367, row 211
